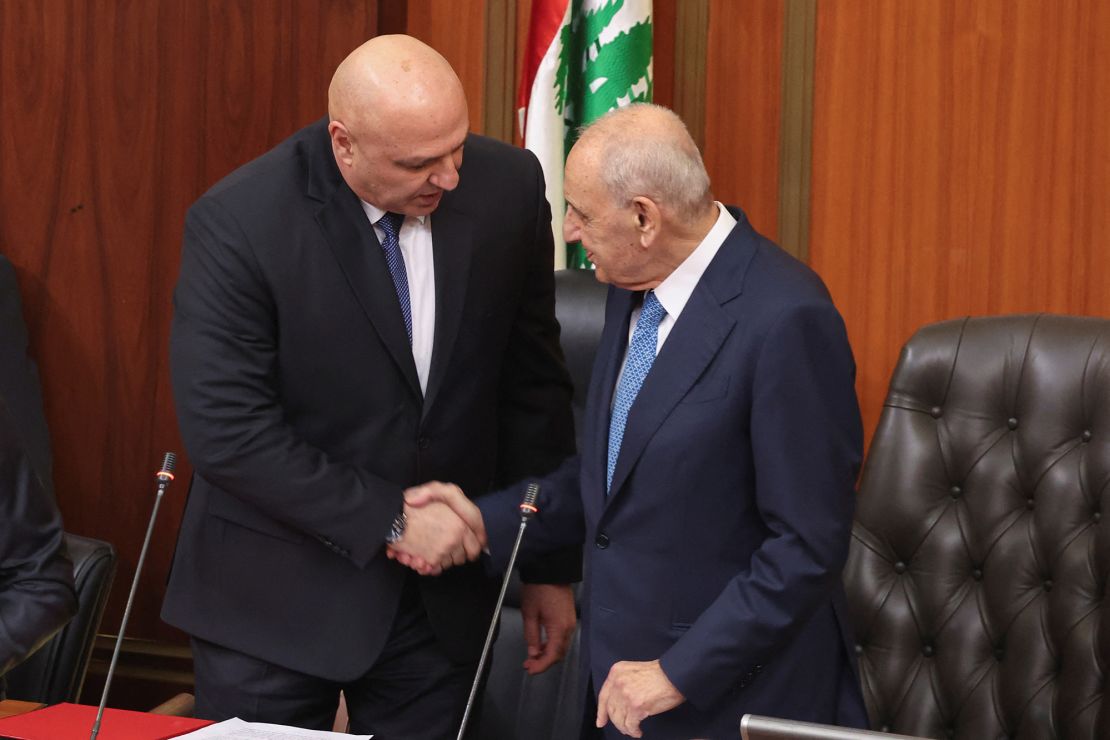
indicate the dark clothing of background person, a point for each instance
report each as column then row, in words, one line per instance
column 36, row 576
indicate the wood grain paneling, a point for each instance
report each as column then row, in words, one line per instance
column 664, row 18
column 742, row 107
column 961, row 165
column 457, row 30
column 116, row 116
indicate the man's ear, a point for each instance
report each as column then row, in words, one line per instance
column 647, row 215
column 342, row 144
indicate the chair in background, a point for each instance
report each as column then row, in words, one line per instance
column 56, row 672
column 580, row 308
column 516, row 705
column 549, row 705
column 978, row 565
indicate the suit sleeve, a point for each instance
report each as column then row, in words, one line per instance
column 224, row 363
column 536, row 423
column 803, row 400
column 559, row 526
column 36, row 576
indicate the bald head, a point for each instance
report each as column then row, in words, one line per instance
column 645, row 149
column 392, row 78
column 398, row 124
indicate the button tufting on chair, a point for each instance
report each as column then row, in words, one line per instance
column 1026, row 507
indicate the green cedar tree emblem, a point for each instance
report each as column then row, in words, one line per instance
column 593, row 78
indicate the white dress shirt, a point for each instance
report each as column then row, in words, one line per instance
column 415, row 238
column 674, row 292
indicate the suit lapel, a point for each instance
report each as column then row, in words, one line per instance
column 694, row 341
column 452, row 246
column 355, row 246
column 692, row 344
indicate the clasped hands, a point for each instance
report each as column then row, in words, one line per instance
column 444, row 528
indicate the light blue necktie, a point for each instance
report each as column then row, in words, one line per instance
column 390, row 223
column 641, row 355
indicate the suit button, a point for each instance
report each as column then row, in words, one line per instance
column 422, row 442
column 602, row 541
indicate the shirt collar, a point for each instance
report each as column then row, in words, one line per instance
column 375, row 214
column 677, row 288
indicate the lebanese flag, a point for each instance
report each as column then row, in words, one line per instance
column 583, row 59
column 541, row 120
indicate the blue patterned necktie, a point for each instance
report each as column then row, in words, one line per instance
column 641, row 355
column 390, row 223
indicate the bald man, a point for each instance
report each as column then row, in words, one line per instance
column 364, row 309
column 720, row 445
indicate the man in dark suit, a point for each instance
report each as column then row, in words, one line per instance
column 360, row 311
column 721, row 442
column 36, row 576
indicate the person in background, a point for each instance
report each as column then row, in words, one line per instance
column 37, row 596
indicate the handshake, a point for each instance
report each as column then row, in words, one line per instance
column 443, row 529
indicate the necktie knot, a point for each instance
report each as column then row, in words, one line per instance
column 390, row 223
column 652, row 311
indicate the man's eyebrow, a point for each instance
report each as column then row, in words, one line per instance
column 421, row 161
column 575, row 207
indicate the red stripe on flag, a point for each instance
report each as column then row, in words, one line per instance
column 547, row 16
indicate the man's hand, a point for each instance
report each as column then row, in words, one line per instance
column 444, row 529
column 633, row 692
column 549, row 619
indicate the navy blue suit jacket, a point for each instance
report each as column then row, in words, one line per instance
column 720, row 547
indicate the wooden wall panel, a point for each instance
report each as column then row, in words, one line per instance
column 664, row 18
column 742, row 106
column 457, row 30
column 961, row 165
column 117, row 115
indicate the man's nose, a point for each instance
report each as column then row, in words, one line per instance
column 446, row 174
column 570, row 228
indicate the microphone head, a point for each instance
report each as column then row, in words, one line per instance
column 169, row 462
column 528, row 505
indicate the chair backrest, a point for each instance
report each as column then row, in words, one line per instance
column 580, row 308
column 515, row 705
column 979, row 559
column 56, row 672
column 549, row 705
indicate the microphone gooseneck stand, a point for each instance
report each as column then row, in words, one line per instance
column 527, row 511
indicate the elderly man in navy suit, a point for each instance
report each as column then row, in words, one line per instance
column 715, row 484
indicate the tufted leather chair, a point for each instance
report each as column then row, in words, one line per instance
column 979, row 557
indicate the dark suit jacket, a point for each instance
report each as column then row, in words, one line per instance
column 19, row 377
column 720, row 548
column 36, row 576
column 301, row 412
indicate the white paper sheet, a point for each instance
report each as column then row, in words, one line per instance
column 237, row 729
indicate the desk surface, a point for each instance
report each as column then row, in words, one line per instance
column 12, row 707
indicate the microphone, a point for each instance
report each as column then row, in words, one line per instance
column 528, row 509
column 164, row 475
